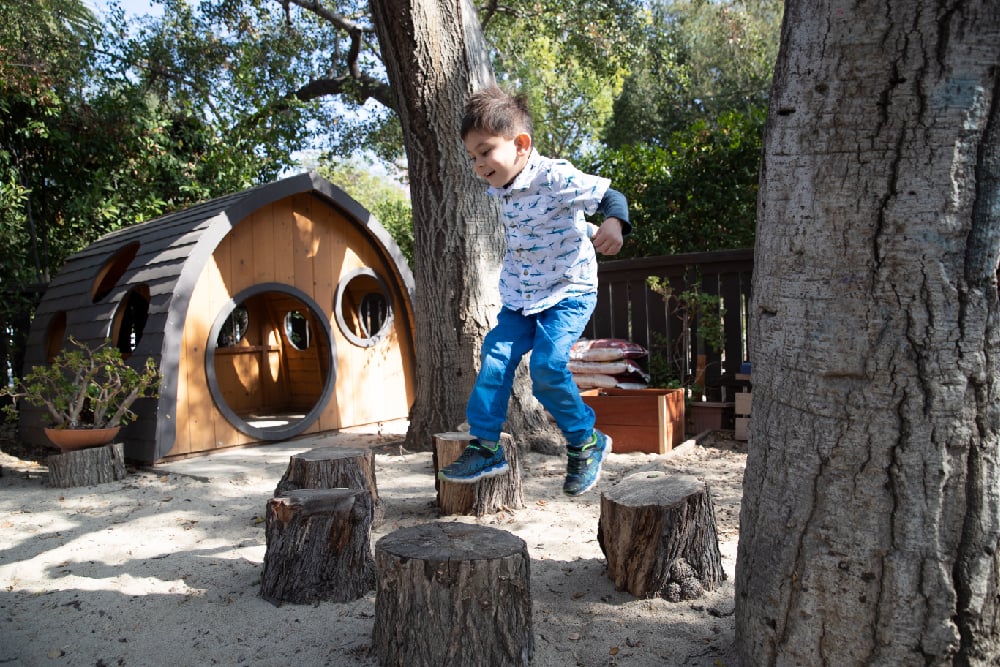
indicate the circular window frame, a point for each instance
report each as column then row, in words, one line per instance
column 240, row 424
column 338, row 312
column 141, row 292
column 286, row 326
column 112, row 271
column 244, row 326
column 55, row 335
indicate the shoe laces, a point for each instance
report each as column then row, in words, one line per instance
column 474, row 449
column 578, row 459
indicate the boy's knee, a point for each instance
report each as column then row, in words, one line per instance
column 546, row 374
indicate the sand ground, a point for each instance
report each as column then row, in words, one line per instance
column 163, row 567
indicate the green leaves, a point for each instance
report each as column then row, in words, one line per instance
column 698, row 60
column 86, row 388
column 698, row 194
column 694, row 309
column 383, row 196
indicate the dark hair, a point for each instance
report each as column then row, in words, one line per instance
column 493, row 111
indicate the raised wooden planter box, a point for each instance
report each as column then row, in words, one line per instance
column 639, row 420
column 709, row 416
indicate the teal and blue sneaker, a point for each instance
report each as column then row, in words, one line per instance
column 583, row 463
column 477, row 462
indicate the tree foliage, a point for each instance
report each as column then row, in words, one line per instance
column 88, row 147
column 684, row 139
column 385, row 197
column 208, row 98
column 698, row 195
column 571, row 64
column 698, row 61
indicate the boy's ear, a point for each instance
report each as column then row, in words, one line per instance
column 522, row 142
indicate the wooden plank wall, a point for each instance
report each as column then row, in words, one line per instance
column 627, row 308
column 304, row 242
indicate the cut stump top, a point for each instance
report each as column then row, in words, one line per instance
column 445, row 541
column 329, row 453
column 654, row 487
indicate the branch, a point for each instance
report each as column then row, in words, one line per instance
column 355, row 84
column 358, row 84
column 491, row 9
column 338, row 20
column 360, row 88
column 487, row 13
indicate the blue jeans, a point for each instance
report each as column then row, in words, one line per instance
column 549, row 335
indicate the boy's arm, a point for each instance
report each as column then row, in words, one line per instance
column 610, row 235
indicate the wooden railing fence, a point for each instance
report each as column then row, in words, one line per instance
column 627, row 308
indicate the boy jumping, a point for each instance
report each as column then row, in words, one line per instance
column 548, row 286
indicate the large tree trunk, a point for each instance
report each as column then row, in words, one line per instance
column 869, row 523
column 435, row 56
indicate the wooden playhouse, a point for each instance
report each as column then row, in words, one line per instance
column 281, row 310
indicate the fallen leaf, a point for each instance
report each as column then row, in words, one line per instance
column 614, row 650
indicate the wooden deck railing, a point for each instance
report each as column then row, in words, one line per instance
column 627, row 308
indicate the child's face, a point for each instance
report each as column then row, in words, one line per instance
column 497, row 159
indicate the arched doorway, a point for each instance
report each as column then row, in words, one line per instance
column 269, row 361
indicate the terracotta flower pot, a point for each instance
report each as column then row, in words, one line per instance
column 71, row 439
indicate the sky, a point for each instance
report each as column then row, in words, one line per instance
column 131, row 7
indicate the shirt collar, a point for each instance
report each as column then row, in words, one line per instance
column 524, row 179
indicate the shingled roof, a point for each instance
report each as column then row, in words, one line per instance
column 166, row 256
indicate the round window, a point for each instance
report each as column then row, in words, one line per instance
column 363, row 308
column 234, row 328
column 297, row 329
column 129, row 320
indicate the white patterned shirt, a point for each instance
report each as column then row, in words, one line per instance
column 549, row 253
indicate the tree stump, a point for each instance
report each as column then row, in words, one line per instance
column 452, row 594
column 87, row 467
column 318, row 546
column 658, row 534
column 486, row 496
column 333, row 468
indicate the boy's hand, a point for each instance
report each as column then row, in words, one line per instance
column 608, row 239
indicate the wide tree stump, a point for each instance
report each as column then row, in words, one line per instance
column 658, row 534
column 486, row 496
column 87, row 467
column 333, row 468
column 318, row 546
column 452, row 594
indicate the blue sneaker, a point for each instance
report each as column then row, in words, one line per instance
column 583, row 463
column 476, row 462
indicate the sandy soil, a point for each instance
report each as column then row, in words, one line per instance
column 163, row 568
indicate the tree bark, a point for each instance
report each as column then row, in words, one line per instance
column 452, row 595
column 333, row 468
column 87, row 467
column 658, row 534
column 318, row 546
column 435, row 56
column 870, row 522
